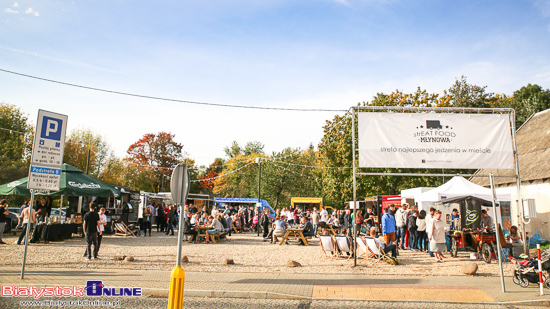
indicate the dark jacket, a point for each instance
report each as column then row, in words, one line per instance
column 411, row 225
column 264, row 220
column 308, row 228
column 172, row 216
column 347, row 221
column 187, row 226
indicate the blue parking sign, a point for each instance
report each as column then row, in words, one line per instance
column 51, row 128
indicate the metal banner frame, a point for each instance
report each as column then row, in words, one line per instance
column 464, row 110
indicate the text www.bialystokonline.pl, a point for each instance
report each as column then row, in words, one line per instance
column 67, row 303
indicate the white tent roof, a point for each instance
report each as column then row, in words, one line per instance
column 459, row 186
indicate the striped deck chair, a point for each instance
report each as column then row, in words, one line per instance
column 327, row 246
column 376, row 252
column 343, row 244
column 363, row 246
column 122, row 230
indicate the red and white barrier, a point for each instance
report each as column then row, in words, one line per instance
column 540, row 271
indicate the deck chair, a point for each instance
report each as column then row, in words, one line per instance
column 363, row 246
column 122, row 230
column 343, row 244
column 327, row 246
column 375, row 252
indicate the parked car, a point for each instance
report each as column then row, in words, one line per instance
column 11, row 219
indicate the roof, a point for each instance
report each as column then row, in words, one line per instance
column 458, row 186
column 533, row 139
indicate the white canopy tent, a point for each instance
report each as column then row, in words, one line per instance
column 457, row 186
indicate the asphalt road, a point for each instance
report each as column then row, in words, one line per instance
column 195, row 302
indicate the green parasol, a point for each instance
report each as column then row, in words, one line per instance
column 73, row 183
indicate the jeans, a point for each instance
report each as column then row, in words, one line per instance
column 170, row 228
column 23, row 233
column 392, row 248
column 421, row 240
column 413, row 243
column 91, row 238
column 400, row 235
column 315, row 229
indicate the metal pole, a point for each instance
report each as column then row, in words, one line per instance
column 499, row 251
column 27, row 235
column 354, row 189
column 88, row 162
column 180, row 223
column 259, row 191
column 518, row 183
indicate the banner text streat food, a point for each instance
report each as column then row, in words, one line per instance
column 457, row 141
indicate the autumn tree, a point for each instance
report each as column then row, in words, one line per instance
column 81, row 142
column 156, row 153
column 206, row 184
column 16, row 136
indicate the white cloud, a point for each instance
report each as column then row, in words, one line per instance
column 31, row 11
column 10, row 11
column 15, row 4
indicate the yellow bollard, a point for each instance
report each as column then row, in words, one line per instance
column 177, row 280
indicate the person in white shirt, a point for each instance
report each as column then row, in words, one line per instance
column 429, row 219
column 102, row 222
column 25, row 220
column 324, row 214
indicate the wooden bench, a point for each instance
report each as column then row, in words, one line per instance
column 216, row 237
column 236, row 229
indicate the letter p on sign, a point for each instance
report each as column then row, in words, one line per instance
column 51, row 128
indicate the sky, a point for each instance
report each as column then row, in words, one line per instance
column 309, row 54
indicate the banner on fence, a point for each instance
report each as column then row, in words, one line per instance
column 451, row 141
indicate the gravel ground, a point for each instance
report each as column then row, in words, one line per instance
column 247, row 250
column 145, row 302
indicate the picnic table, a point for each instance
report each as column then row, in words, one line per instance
column 201, row 232
column 294, row 233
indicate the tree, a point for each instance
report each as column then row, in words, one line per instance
column 233, row 150
column 77, row 145
column 210, row 175
column 16, row 137
column 528, row 100
column 253, row 148
column 467, row 95
column 290, row 173
column 158, row 153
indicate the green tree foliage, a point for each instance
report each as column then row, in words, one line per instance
column 290, row 173
column 464, row 94
column 233, row 150
column 237, row 178
column 528, row 100
column 76, row 151
column 254, row 147
column 16, row 144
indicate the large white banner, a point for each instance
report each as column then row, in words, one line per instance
column 455, row 141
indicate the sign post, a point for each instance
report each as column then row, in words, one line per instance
column 46, row 161
column 179, row 187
